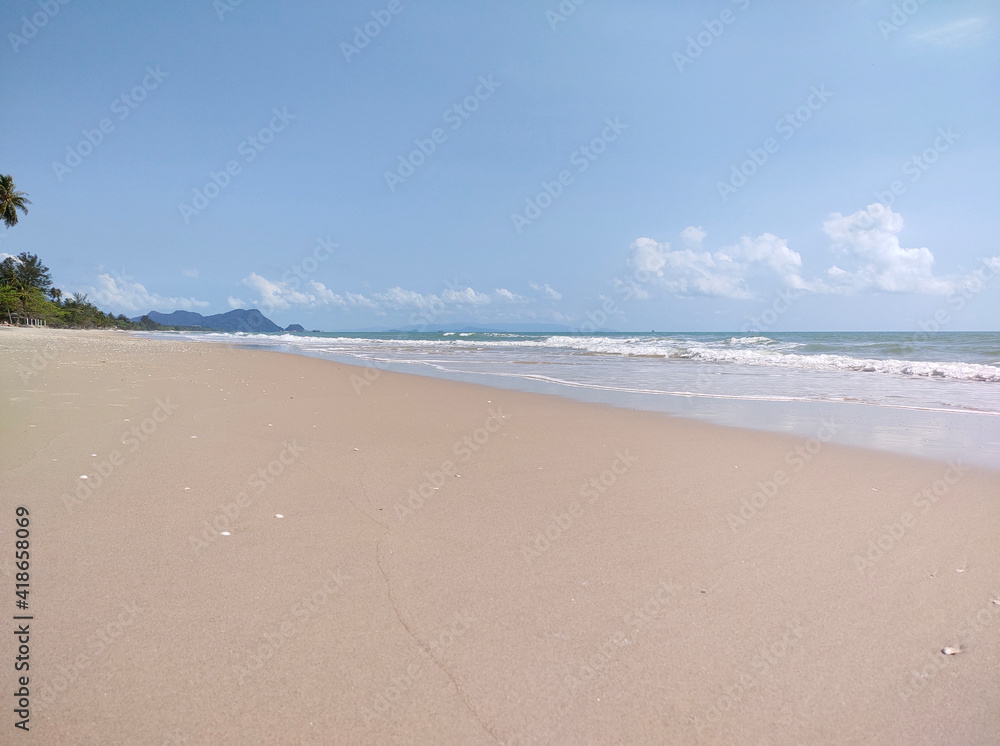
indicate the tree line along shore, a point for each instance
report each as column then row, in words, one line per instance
column 27, row 295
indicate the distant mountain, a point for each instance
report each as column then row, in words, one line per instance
column 295, row 328
column 177, row 318
column 240, row 320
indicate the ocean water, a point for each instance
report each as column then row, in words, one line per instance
column 929, row 395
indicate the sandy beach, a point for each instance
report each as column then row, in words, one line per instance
column 276, row 549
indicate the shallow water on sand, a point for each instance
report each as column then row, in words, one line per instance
column 929, row 395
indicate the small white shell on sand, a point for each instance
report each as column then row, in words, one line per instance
column 83, row 476
column 951, row 651
column 278, row 515
column 357, row 449
column 224, row 533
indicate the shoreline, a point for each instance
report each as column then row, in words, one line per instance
column 461, row 563
column 940, row 434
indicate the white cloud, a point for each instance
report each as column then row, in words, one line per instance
column 360, row 301
column 868, row 239
column 397, row 298
column 768, row 250
column 235, row 302
column 649, row 256
column 465, row 296
column 321, row 293
column 722, row 273
column 686, row 272
column 870, row 259
column 121, row 293
column 955, row 33
column 547, row 290
column 277, row 295
column 504, row 294
column 193, row 273
column 693, row 236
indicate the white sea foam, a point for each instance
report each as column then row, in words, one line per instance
column 745, row 351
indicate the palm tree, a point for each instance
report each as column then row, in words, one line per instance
column 11, row 201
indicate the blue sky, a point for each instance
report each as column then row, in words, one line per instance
column 713, row 165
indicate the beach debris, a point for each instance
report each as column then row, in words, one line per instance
column 224, row 533
column 951, row 651
column 996, row 602
column 194, row 436
column 357, row 449
column 278, row 515
column 93, row 454
column 187, row 488
column 83, row 476
column 874, row 489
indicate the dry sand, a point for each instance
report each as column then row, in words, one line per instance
column 369, row 615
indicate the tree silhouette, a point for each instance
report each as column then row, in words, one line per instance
column 11, row 201
column 32, row 273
